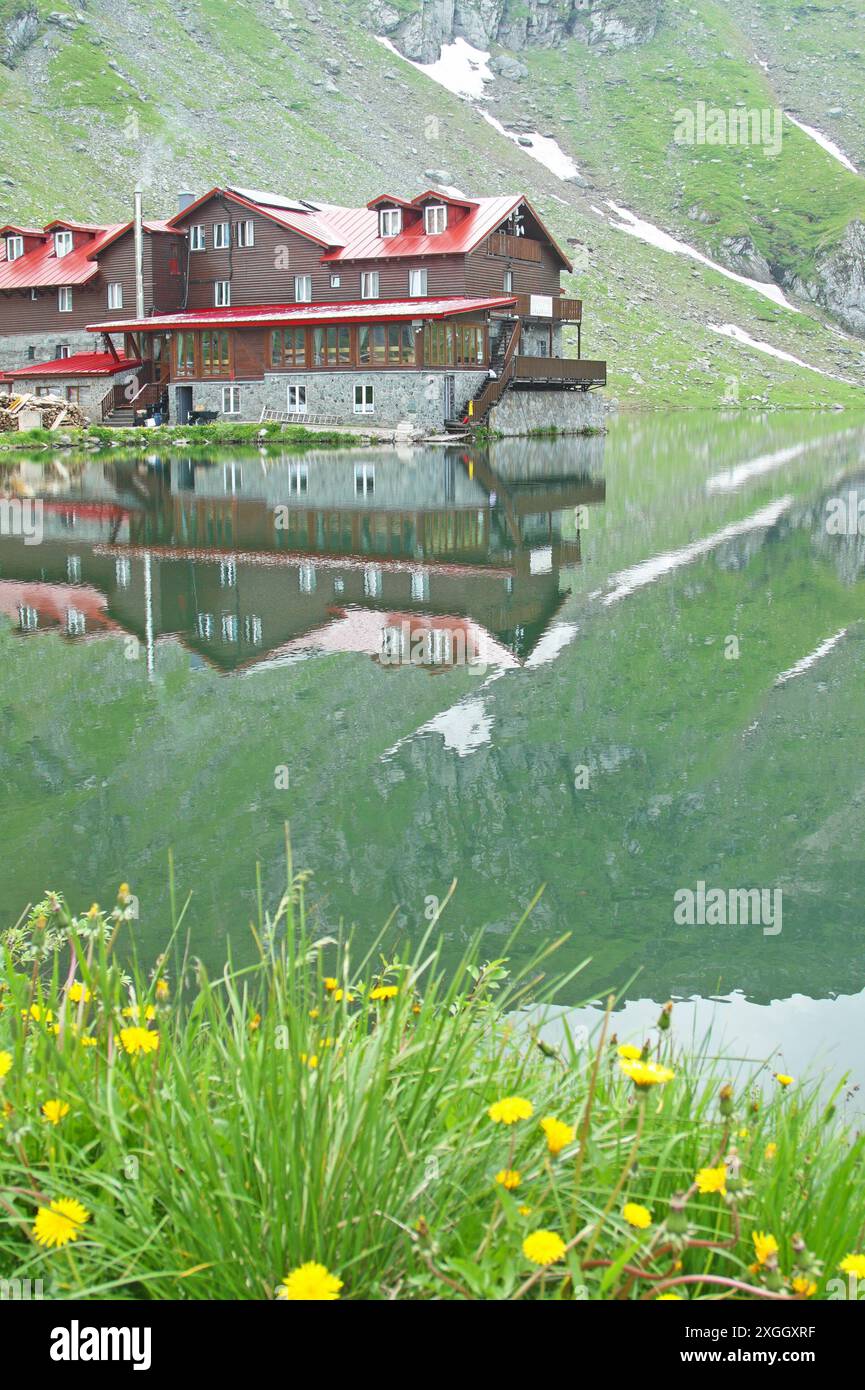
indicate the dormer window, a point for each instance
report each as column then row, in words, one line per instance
column 389, row 222
column 435, row 219
column 62, row 243
column 14, row 247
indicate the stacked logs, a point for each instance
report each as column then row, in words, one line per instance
column 54, row 412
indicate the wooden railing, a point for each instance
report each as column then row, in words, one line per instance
column 494, row 388
column 518, row 248
column 567, row 371
column 564, row 310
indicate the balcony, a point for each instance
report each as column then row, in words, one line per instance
column 559, row 373
column 558, row 308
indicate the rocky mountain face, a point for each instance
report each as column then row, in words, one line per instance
column 515, row 24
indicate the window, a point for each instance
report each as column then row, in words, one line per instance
column 298, row 479
column 390, row 222
column 76, row 623
column 64, row 299
column 215, row 355
column 364, row 478
column 231, row 400
column 73, row 569
column 232, row 477
column 222, row 293
column 197, row 237
column 363, row 402
column 228, row 574
column 449, row 344
column 252, row 631
column 62, row 243
column 419, row 586
column 303, row 289
column 34, row 294
column 369, row 284
column 115, row 295
column 417, row 284
column 246, row 232
column 14, row 247
column 61, row 352
column 435, row 219
column 371, row 580
column 297, row 400
column 122, row 572
column 28, row 618
column 229, row 627
column 185, row 354
column 204, row 626
column 331, row 346
column 221, row 236
column 73, row 394
column 306, row 579
column 335, row 282
column 288, row 347
column 509, row 282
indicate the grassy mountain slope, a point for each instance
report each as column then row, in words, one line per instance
column 305, row 100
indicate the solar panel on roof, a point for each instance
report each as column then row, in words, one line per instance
column 271, row 200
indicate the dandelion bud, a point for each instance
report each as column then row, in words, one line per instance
column 677, row 1219
column 666, row 1016
column 725, row 1099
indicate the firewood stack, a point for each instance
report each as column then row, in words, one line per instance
column 53, row 410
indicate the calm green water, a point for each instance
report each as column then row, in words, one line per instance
column 232, row 613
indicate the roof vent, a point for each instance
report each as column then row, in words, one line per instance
column 185, row 199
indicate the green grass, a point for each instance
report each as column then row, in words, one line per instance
column 197, row 436
column 289, row 1114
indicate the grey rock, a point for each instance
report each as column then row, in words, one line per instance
column 741, row 255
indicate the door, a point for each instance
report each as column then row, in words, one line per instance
column 449, row 397
column 184, row 404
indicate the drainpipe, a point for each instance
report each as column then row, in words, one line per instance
column 139, row 258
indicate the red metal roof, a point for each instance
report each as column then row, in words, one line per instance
column 79, row 364
column 42, row 269
column 273, row 315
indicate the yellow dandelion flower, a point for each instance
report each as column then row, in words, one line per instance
column 765, row 1246
column 163, row 990
column 60, row 1222
column 313, row 1013
column 340, row 994
column 77, row 992
column 93, row 910
column 37, row 1013
column 55, row 1110
column 309, row 1283
column 804, row 1287
column 135, row 1040
column 254, row 1023
column 5, row 1063
column 559, row 1135
column 712, row 1180
column 123, row 890
column 384, row 992
column 770, row 1151
column 524, row 1210
column 88, row 1042
column 853, row 1264
column 646, row 1074
column 509, row 1179
column 330, row 983
column 311, row 1062
column 137, row 1011
column 638, row 1216
column 543, row 1247
column 743, row 1133
column 783, row 1079
column 509, row 1110
column 629, row 1053
column 669, row 1298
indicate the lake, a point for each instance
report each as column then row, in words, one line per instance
column 617, row 667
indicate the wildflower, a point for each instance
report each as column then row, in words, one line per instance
column 135, row 1040
column 629, row 1053
column 309, row 1283
column 77, row 992
column 162, row 990
column 136, row 1011
column 123, row 892
column 712, row 1180
column 93, row 911
column 60, row 1222
column 637, row 1216
column 853, row 1264
column 765, row 1246
column 803, row 1286
column 668, row 1298
column 509, row 1110
column 55, row 1110
column 330, row 983
column 725, row 1100
column 559, row 1135
column 509, row 1179
column 311, row 1062
column 37, row 1013
column 770, row 1151
column 783, row 1079
column 743, row 1133
column 384, row 992
column 543, row 1247
column 5, row 1063
column 340, row 994
column 255, row 1023
column 524, row 1210
column 88, row 1042
column 646, row 1074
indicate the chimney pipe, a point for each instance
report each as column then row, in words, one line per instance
column 184, row 200
column 139, row 257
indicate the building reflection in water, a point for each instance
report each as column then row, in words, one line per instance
column 432, row 556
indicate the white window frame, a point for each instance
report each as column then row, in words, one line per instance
column 62, row 243
column 370, row 284
column 230, row 628
column 303, row 289
column 508, row 282
column 64, row 299
column 435, row 219
column 115, row 294
column 364, row 401
column 246, row 232
column 14, row 248
column 198, row 237
column 231, row 394
column 221, row 236
column 307, row 579
column 389, row 222
column 34, row 294
column 61, row 352
column 204, row 626
column 364, row 479
column 299, row 393
column 222, row 294
column 335, row 282
column 415, row 292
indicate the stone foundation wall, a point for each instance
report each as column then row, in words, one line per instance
column 418, row 397
column 522, row 412
column 15, row 349
column 90, row 389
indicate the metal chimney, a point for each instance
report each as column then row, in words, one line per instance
column 139, row 257
column 184, row 200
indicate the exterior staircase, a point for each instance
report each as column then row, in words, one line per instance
column 491, row 391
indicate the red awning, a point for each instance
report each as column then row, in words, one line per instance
column 276, row 315
column 79, row 364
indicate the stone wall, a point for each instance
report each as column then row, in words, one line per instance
column 522, row 412
column 91, row 389
column 15, row 348
column 417, row 397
